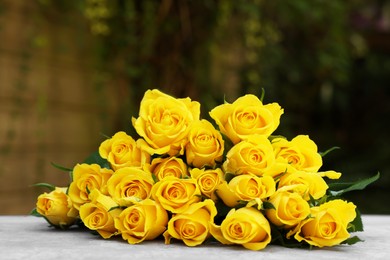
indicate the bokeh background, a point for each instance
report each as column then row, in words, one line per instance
column 73, row 70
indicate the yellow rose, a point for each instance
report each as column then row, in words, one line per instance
column 313, row 184
column 130, row 182
column 164, row 121
column 252, row 156
column 208, row 180
column 327, row 225
column 247, row 116
column 144, row 220
column 192, row 226
column 57, row 208
column 289, row 207
column 300, row 153
column 87, row 177
column 168, row 166
column 246, row 188
column 205, row 145
column 246, row 226
column 99, row 214
column 330, row 174
column 122, row 151
column 176, row 195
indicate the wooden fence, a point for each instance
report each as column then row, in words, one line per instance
column 50, row 109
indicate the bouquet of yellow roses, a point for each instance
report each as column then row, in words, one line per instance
column 185, row 178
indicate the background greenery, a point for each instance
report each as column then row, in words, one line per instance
column 326, row 62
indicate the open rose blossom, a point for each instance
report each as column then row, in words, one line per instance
column 193, row 225
column 252, row 156
column 289, row 207
column 300, row 153
column 122, row 151
column 228, row 179
column 164, row 122
column 99, row 214
column 208, row 180
column 87, row 177
column 176, row 195
column 328, row 224
column 168, row 166
column 57, row 208
column 313, row 185
column 247, row 116
column 245, row 188
column 130, row 182
column 205, row 145
column 144, row 220
column 245, row 226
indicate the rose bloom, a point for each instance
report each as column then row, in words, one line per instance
column 122, row 151
column 327, row 225
column 205, row 145
column 168, row 166
column 247, row 116
column 164, row 122
column 144, row 220
column 246, row 226
column 208, row 180
column 130, row 182
column 246, row 188
column 99, row 214
column 57, row 208
column 192, row 226
column 252, row 156
column 87, row 177
column 289, row 207
column 300, row 153
column 176, row 195
column 313, row 184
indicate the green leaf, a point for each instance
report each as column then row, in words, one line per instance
column 95, row 158
column 357, row 224
column 35, row 213
column 279, row 238
column 229, row 176
column 329, row 150
column 45, row 185
column 271, row 138
column 241, row 204
column 312, row 201
column 228, row 144
column 62, row 168
column 277, row 178
column 268, row 205
column 116, row 207
column 155, row 179
column 224, row 99
column 337, row 189
column 105, row 136
column 352, row 240
column 262, row 94
column 222, row 211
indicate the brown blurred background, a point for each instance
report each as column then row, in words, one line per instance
column 72, row 70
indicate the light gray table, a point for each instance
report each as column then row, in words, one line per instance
column 27, row 237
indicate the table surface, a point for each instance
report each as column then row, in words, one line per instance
column 28, row 237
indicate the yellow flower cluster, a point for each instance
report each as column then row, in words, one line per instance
column 181, row 180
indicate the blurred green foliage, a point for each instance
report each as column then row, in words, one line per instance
column 314, row 57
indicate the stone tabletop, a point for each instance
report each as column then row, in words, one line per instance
column 27, row 237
